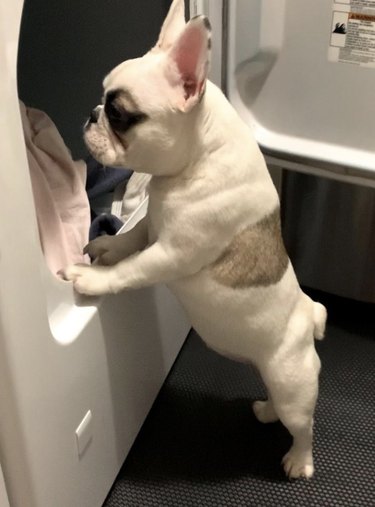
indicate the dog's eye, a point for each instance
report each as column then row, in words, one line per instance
column 112, row 112
column 120, row 119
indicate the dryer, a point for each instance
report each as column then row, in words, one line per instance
column 77, row 376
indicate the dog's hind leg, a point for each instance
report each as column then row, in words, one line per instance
column 293, row 385
column 265, row 411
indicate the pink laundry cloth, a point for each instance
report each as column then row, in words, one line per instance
column 58, row 183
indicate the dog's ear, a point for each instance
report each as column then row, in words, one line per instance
column 188, row 62
column 173, row 25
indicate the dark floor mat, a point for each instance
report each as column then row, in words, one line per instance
column 202, row 446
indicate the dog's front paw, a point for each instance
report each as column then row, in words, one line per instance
column 98, row 246
column 106, row 250
column 297, row 464
column 89, row 280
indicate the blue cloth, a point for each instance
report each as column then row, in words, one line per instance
column 102, row 179
column 104, row 224
column 100, row 183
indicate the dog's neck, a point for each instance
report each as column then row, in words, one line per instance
column 212, row 127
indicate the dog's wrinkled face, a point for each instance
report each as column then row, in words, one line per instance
column 147, row 116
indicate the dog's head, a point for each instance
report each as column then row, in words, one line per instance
column 147, row 118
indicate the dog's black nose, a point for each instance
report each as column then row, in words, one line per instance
column 94, row 115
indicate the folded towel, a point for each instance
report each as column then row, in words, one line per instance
column 136, row 192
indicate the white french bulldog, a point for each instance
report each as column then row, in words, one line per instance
column 212, row 232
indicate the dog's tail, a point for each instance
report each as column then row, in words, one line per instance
column 320, row 319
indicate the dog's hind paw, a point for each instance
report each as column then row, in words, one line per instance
column 298, row 465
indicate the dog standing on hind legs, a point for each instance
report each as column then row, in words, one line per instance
column 212, row 231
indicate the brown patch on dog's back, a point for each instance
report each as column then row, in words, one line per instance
column 256, row 256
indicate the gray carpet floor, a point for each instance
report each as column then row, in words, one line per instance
column 202, row 446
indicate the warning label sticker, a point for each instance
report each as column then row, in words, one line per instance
column 353, row 32
column 357, row 5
